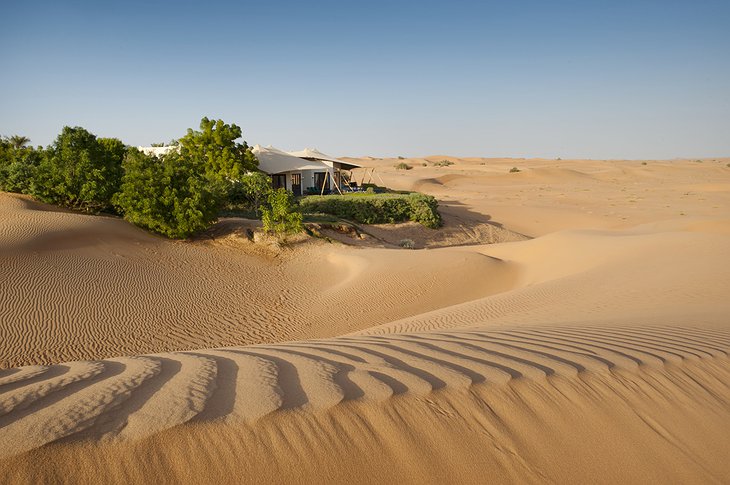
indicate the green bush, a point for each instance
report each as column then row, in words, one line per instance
column 376, row 208
column 80, row 171
column 443, row 163
column 168, row 195
column 249, row 192
column 514, row 170
column 18, row 165
column 215, row 149
column 407, row 244
column 403, row 166
column 281, row 215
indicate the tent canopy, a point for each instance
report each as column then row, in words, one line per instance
column 314, row 154
column 272, row 160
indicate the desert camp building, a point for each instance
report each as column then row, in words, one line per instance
column 307, row 171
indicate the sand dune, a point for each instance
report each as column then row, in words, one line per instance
column 81, row 287
column 596, row 352
column 518, row 389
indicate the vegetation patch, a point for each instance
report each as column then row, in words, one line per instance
column 514, row 170
column 402, row 166
column 443, row 163
column 177, row 194
column 372, row 208
column 407, row 244
column 281, row 216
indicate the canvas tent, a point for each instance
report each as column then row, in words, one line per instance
column 158, row 151
column 314, row 172
column 338, row 168
column 314, row 154
column 293, row 173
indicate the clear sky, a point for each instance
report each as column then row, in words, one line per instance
column 598, row 79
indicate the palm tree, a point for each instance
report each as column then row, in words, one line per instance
column 18, row 141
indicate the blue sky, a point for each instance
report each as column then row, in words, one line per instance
column 598, row 79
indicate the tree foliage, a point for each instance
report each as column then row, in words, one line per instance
column 281, row 215
column 250, row 191
column 168, row 195
column 177, row 194
column 80, row 171
column 377, row 208
column 18, row 164
column 215, row 148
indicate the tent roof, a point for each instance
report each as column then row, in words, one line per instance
column 158, row 151
column 273, row 160
column 313, row 153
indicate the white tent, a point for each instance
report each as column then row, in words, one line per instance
column 314, row 154
column 158, row 151
column 272, row 160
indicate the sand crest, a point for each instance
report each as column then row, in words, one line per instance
column 591, row 349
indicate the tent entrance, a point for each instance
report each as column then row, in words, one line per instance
column 321, row 180
column 296, row 183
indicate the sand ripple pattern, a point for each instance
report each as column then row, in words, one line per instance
column 131, row 398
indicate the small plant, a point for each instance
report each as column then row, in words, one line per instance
column 697, row 161
column 407, row 243
column 728, row 165
column 281, row 216
column 443, row 163
column 643, row 163
column 401, row 158
column 403, row 166
column 424, row 164
column 514, row 170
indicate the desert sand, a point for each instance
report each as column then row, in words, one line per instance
column 569, row 324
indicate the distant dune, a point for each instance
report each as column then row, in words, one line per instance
column 590, row 345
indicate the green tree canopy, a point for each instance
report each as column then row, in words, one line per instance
column 18, row 141
column 251, row 191
column 216, row 149
column 18, row 164
column 281, row 215
column 168, row 195
column 80, row 171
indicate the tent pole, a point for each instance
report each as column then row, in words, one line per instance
column 381, row 178
column 337, row 184
column 326, row 174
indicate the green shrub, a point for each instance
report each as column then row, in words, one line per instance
column 281, row 215
column 168, row 195
column 514, row 170
column 18, row 165
column 403, row 166
column 376, row 208
column 80, row 171
column 407, row 244
column 443, row 163
column 250, row 191
column 215, row 149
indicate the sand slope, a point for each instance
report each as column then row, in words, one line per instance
column 81, row 287
column 527, row 404
column 594, row 353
